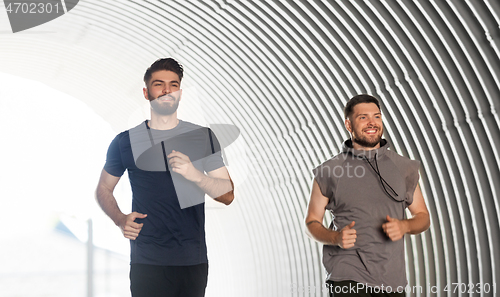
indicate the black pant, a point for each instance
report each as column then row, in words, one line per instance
column 353, row 289
column 168, row 281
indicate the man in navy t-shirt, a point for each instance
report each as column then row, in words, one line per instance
column 171, row 165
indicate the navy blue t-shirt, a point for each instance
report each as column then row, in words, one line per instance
column 171, row 235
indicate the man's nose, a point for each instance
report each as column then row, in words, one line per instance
column 166, row 90
column 371, row 121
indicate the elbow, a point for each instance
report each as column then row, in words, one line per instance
column 98, row 194
column 428, row 225
column 427, row 221
column 422, row 223
column 226, row 198
column 102, row 194
column 230, row 194
column 307, row 223
column 230, row 197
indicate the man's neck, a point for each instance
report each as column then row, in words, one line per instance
column 357, row 146
column 163, row 122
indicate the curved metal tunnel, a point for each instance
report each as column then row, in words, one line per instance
column 281, row 71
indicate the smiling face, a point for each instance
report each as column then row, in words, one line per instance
column 163, row 92
column 365, row 126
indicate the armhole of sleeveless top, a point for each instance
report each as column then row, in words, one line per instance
column 337, row 184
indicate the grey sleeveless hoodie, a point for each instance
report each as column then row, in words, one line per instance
column 365, row 187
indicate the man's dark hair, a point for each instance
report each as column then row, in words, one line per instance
column 362, row 98
column 168, row 64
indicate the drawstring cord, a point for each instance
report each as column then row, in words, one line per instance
column 384, row 182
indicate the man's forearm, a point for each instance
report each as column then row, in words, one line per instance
column 320, row 233
column 108, row 204
column 218, row 188
column 418, row 223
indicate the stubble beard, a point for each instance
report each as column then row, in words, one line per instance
column 163, row 108
column 369, row 142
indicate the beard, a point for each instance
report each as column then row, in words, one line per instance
column 164, row 108
column 368, row 141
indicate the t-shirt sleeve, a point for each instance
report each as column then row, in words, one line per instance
column 412, row 178
column 114, row 164
column 214, row 153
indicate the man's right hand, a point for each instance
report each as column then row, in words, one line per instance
column 346, row 237
column 129, row 227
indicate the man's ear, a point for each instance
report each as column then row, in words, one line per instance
column 145, row 91
column 347, row 124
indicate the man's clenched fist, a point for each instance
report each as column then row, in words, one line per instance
column 394, row 228
column 129, row 227
column 346, row 237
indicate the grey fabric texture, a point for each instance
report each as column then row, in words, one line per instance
column 356, row 193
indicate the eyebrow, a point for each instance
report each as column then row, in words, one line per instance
column 162, row 81
column 364, row 114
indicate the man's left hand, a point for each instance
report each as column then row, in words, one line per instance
column 182, row 165
column 394, row 228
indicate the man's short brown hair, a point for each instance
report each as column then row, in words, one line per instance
column 362, row 98
column 168, row 64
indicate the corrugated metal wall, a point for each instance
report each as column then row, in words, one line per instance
column 281, row 71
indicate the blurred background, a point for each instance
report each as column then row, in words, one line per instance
column 281, row 71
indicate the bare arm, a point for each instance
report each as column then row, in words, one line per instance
column 420, row 220
column 105, row 198
column 418, row 223
column 217, row 183
column 344, row 238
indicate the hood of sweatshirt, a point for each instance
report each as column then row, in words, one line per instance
column 368, row 154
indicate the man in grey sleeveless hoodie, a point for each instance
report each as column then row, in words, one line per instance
column 367, row 189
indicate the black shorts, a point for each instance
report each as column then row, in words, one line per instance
column 168, row 281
